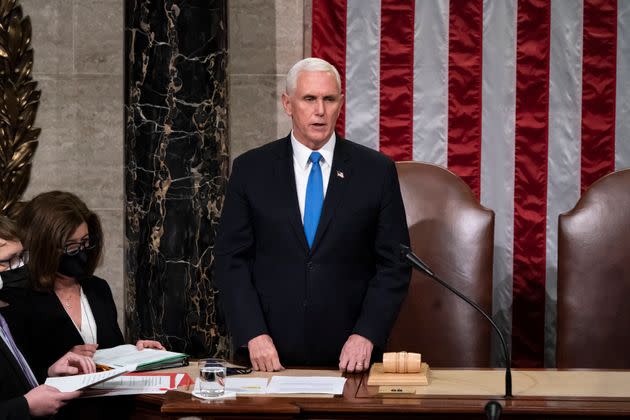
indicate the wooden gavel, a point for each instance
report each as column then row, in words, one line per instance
column 402, row 362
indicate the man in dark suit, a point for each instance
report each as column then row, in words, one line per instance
column 20, row 398
column 307, row 251
column 20, row 394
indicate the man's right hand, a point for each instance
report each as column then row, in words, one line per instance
column 263, row 354
column 45, row 400
column 71, row 364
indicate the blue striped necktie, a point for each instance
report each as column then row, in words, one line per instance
column 314, row 198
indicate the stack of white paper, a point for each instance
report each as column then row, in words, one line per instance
column 136, row 384
column 286, row 385
column 246, row 385
column 306, row 385
column 146, row 359
column 76, row 382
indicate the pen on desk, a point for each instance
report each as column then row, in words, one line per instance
column 102, row 368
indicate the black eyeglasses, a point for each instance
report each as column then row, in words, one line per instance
column 73, row 248
column 15, row 261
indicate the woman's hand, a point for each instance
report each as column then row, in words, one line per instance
column 149, row 344
column 85, row 349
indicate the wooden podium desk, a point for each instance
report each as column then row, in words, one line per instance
column 452, row 394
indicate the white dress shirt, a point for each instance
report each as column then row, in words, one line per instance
column 302, row 166
column 88, row 323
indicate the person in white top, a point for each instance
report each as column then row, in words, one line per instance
column 67, row 307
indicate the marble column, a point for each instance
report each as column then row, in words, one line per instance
column 176, row 164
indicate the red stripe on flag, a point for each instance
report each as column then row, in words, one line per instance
column 598, row 90
column 396, row 83
column 329, row 42
column 464, row 90
column 530, row 189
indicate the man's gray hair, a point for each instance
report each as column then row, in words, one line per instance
column 309, row 64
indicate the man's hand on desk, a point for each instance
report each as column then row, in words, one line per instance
column 71, row 364
column 263, row 354
column 355, row 354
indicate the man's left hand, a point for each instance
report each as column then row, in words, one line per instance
column 355, row 354
column 71, row 364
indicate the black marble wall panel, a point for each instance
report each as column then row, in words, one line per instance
column 176, row 163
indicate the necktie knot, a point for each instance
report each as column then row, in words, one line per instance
column 315, row 157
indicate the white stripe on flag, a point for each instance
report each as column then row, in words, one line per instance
column 565, row 129
column 622, row 122
column 363, row 24
column 497, row 151
column 430, row 81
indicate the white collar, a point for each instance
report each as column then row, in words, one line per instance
column 301, row 153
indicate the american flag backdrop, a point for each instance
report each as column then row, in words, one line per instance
column 527, row 100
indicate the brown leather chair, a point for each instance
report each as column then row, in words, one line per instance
column 453, row 234
column 594, row 277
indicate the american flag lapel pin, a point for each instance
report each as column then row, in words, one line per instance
column 340, row 174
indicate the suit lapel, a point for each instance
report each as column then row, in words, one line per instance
column 8, row 355
column 285, row 180
column 340, row 175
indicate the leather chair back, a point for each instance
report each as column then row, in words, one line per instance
column 594, row 277
column 453, row 234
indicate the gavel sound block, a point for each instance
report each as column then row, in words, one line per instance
column 400, row 368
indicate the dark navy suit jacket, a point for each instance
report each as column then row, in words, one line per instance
column 311, row 300
column 13, row 386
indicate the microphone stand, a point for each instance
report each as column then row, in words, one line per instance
column 407, row 255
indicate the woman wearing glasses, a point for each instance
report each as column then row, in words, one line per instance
column 68, row 308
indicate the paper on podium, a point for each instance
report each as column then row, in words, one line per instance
column 134, row 383
column 175, row 379
column 306, row 385
column 76, row 382
column 246, row 385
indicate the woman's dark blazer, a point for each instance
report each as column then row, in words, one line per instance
column 44, row 332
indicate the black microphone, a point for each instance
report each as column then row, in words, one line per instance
column 493, row 410
column 406, row 254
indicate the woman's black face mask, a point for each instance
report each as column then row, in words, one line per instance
column 74, row 265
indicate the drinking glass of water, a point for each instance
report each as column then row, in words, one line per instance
column 211, row 380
